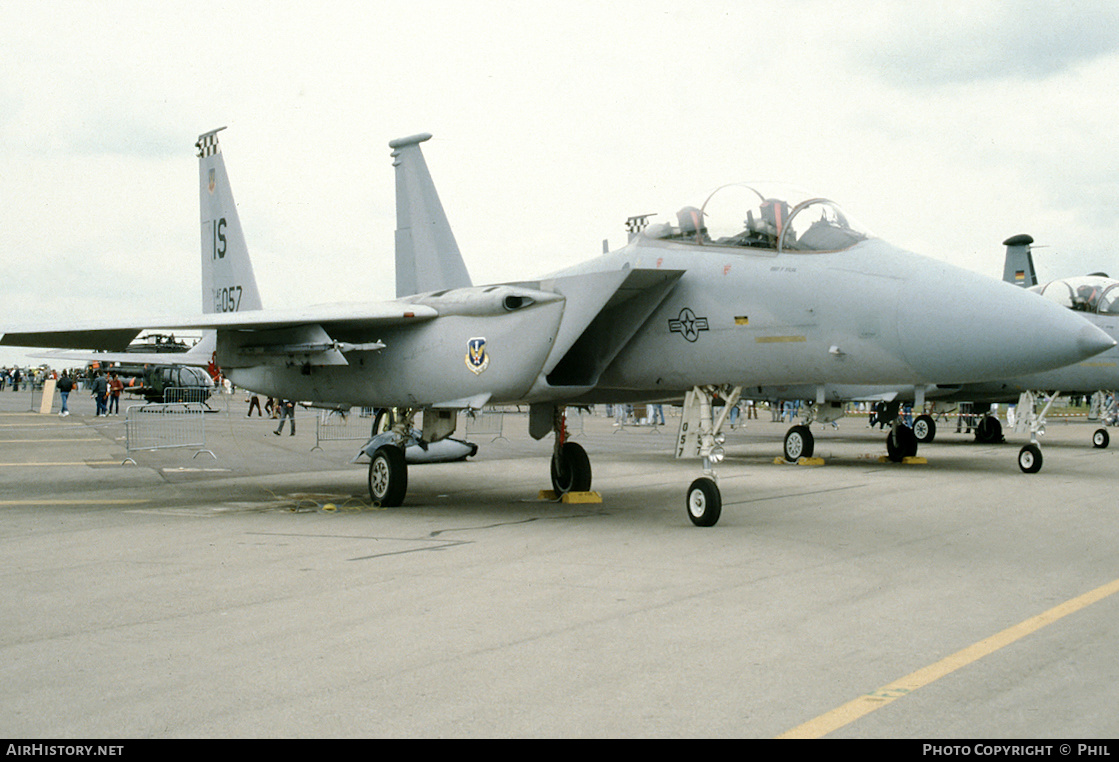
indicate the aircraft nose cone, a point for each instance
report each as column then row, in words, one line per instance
column 962, row 326
column 1091, row 340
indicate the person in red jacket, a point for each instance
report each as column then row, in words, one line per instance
column 116, row 386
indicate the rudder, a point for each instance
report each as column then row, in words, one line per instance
column 1019, row 266
column 427, row 255
column 228, row 283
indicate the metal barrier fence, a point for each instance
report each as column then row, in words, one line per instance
column 343, row 426
column 488, row 422
column 158, row 427
column 191, row 395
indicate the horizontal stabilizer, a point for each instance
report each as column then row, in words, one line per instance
column 78, row 337
column 198, row 356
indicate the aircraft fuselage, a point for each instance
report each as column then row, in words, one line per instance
column 872, row 314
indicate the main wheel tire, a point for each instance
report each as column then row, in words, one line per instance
column 1100, row 438
column 901, row 443
column 924, row 428
column 988, row 430
column 571, row 470
column 799, row 443
column 705, row 502
column 388, row 477
column 1029, row 459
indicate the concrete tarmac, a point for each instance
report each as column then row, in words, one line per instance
column 257, row 594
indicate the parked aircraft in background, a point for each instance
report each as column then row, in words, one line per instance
column 1095, row 297
column 750, row 286
column 168, row 382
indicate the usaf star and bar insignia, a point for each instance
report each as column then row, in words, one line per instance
column 687, row 324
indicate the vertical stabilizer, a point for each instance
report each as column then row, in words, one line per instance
column 1019, row 267
column 228, row 283
column 427, row 256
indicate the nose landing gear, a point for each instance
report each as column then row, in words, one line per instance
column 701, row 434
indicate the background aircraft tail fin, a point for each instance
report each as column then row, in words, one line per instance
column 427, row 256
column 1019, row 267
column 228, row 283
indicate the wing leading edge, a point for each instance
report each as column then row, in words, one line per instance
column 115, row 337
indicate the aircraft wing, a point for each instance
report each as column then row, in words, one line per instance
column 115, row 337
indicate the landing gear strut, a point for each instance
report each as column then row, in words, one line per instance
column 1029, row 457
column 700, row 434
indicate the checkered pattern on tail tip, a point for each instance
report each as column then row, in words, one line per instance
column 207, row 145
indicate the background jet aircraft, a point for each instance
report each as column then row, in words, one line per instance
column 750, row 286
column 1095, row 297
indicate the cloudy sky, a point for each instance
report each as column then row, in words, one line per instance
column 944, row 127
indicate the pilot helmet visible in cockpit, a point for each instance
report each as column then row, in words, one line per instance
column 1086, row 298
column 690, row 220
column 767, row 228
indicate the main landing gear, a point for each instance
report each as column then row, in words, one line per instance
column 902, row 441
column 388, row 470
column 393, row 432
column 571, row 468
column 799, row 443
column 988, row 430
column 388, row 476
column 924, row 428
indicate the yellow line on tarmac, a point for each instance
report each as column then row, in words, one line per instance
column 864, row 705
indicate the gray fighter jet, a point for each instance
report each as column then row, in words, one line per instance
column 1095, row 297
column 749, row 286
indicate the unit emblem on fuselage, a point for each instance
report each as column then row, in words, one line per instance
column 477, row 359
column 687, row 324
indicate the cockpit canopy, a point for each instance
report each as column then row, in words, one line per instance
column 784, row 221
column 1086, row 293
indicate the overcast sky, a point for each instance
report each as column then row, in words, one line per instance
column 943, row 127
